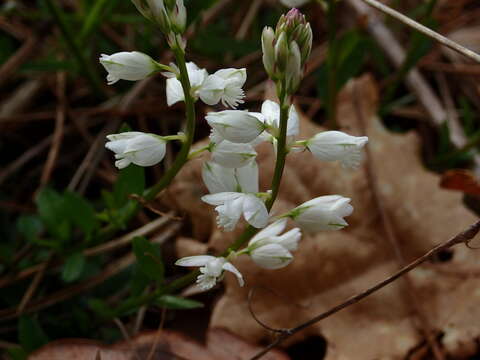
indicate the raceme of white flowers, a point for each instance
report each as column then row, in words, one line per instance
column 231, row 174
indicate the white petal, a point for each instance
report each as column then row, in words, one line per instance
column 229, row 213
column 218, row 178
column 247, row 177
column 271, row 230
column 289, row 240
column 174, row 91
column 271, row 112
column 220, row 198
column 229, row 267
column 233, row 155
column 198, row 260
column 254, row 211
column 212, row 90
column 293, row 126
column 271, row 256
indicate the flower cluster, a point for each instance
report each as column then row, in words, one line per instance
column 231, row 175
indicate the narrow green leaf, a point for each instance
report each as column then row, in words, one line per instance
column 149, row 259
column 30, row 334
column 81, row 213
column 51, row 208
column 29, row 226
column 175, row 302
column 73, row 267
column 101, row 308
column 131, row 180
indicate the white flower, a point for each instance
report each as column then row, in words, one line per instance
column 323, row 213
column 336, row 145
column 233, row 194
column 136, row 147
column 271, row 116
column 237, row 126
column 221, row 179
column 294, row 3
column 225, row 85
column 232, row 155
column 128, row 66
column 211, row 269
column 175, row 93
column 271, row 251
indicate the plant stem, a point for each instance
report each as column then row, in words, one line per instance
column 182, row 156
column 332, row 62
column 423, row 29
column 77, row 52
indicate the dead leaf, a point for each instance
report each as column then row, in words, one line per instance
column 332, row 266
column 170, row 345
column 462, row 180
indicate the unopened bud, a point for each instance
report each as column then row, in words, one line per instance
column 281, row 53
column 178, row 17
column 268, row 40
column 294, row 71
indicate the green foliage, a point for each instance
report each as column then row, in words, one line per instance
column 149, row 259
column 131, row 180
column 73, row 267
column 176, row 302
column 30, row 334
column 30, row 227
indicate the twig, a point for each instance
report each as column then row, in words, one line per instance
column 414, row 80
column 66, row 293
column 389, row 230
column 58, row 132
column 109, row 246
column 462, row 238
column 424, row 30
column 157, row 334
column 248, row 19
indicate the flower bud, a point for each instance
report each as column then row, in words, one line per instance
column 128, row 66
column 322, row 213
column 338, row 146
column 155, row 11
column 294, row 69
column 281, row 53
column 178, row 17
column 235, row 125
column 268, row 40
column 136, row 147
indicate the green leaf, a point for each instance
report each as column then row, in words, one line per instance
column 30, row 335
column 101, row 308
column 29, row 226
column 73, row 267
column 149, row 259
column 51, row 208
column 17, row 353
column 81, row 212
column 139, row 281
column 131, row 180
column 176, row 302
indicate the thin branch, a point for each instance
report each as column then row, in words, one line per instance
column 424, row 30
column 462, row 238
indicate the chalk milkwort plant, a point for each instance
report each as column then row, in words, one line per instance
column 231, row 174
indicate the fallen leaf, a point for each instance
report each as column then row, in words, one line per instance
column 170, row 345
column 462, row 180
column 332, row 266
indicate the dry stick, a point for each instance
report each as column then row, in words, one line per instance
column 248, row 19
column 109, row 246
column 157, row 334
column 58, row 132
column 424, row 30
column 390, row 233
column 414, row 80
column 67, row 293
column 14, row 61
column 32, row 288
column 464, row 237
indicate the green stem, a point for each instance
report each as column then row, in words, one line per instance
column 332, row 60
column 77, row 52
column 182, row 156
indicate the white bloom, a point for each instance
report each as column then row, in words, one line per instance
column 211, row 269
column 136, row 147
column 128, row 66
column 225, row 85
column 221, row 179
column 197, row 77
column 237, row 126
column 323, row 213
column 271, row 251
column 336, row 145
column 271, row 116
column 294, row 3
column 232, row 155
column 233, row 194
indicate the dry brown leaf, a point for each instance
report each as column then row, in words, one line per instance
column 170, row 345
column 332, row 266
